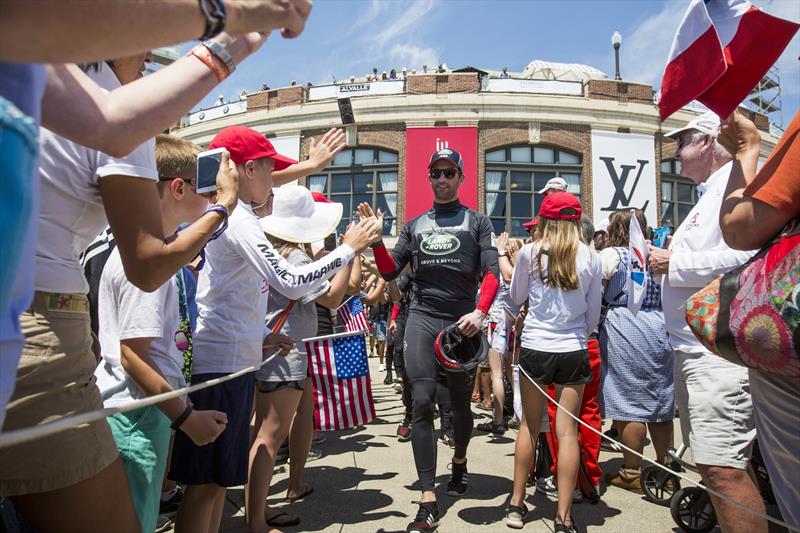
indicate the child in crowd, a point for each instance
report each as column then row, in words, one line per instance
column 561, row 279
column 139, row 335
column 241, row 267
column 284, row 403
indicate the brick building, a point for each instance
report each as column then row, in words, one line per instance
column 602, row 136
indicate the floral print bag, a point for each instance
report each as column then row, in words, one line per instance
column 750, row 315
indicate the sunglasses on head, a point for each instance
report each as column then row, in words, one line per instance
column 448, row 173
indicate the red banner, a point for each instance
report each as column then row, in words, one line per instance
column 420, row 144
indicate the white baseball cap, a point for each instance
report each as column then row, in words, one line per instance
column 558, row 184
column 296, row 217
column 708, row 123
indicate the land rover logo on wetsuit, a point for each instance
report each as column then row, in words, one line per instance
column 440, row 244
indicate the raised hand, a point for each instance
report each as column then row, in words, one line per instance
column 359, row 236
column 322, row 153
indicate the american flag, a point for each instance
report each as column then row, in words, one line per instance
column 340, row 378
column 352, row 315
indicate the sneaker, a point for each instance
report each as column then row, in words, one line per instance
column 547, row 486
column 404, row 430
column 608, row 445
column 382, row 368
column 513, row 423
column 577, row 496
column 445, row 437
column 627, row 479
column 515, row 516
column 171, row 504
column 398, row 388
column 319, row 437
column 491, row 427
column 314, row 454
column 164, row 523
column 457, row 486
column 427, row 518
column 387, row 380
column 563, row 528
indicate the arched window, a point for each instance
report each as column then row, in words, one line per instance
column 514, row 175
column 678, row 194
column 361, row 175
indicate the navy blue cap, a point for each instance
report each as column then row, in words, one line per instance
column 451, row 155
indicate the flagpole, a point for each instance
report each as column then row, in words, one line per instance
column 336, row 336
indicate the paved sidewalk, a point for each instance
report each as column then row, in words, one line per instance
column 365, row 483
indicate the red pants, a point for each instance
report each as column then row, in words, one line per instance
column 589, row 413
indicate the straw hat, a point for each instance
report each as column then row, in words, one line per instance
column 296, row 217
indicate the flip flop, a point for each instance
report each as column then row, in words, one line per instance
column 308, row 490
column 282, row 519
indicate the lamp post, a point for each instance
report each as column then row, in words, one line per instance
column 616, row 40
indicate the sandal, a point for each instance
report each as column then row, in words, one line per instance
column 515, row 515
column 307, row 491
column 281, row 519
column 483, row 407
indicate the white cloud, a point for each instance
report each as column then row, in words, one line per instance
column 402, row 20
column 412, row 56
column 644, row 52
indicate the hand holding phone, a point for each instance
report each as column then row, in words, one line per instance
column 216, row 176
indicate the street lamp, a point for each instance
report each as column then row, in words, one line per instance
column 616, row 40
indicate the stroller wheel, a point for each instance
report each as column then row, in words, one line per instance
column 658, row 486
column 691, row 509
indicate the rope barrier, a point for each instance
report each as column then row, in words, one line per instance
column 659, row 465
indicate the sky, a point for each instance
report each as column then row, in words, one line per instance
column 350, row 37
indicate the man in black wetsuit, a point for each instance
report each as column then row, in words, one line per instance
column 450, row 251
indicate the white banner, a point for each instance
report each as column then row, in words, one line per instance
column 356, row 89
column 231, row 108
column 623, row 174
column 510, row 85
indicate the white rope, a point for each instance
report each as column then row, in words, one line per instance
column 19, row 436
column 659, row 465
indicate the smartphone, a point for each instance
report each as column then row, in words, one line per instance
column 356, row 218
column 207, row 169
column 331, row 241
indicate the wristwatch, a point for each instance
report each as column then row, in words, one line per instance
column 502, row 254
column 218, row 50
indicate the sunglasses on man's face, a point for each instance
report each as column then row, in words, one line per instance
column 448, row 173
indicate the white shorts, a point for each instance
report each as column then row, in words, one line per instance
column 716, row 411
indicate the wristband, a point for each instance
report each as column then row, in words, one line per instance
column 182, row 417
column 213, row 63
column 376, row 244
column 219, row 51
column 216, row 15
column 219, row 209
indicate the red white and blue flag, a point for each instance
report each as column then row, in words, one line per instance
column 340, row 379
column 352, row 315
column 637, row 266
column 721, row 51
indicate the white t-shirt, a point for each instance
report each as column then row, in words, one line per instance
column 241, row 267
column 126, row 312
column 71, row 212
column 610, row 261
column 558, row 321
column 699, row 255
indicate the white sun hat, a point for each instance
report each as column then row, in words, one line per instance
column 557, row 184
column 296, row 217
column 708, row 123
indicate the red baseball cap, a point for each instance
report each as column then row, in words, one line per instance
column 321, row 198
column 246, row 144
column 532, row 223
column 561, row 206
